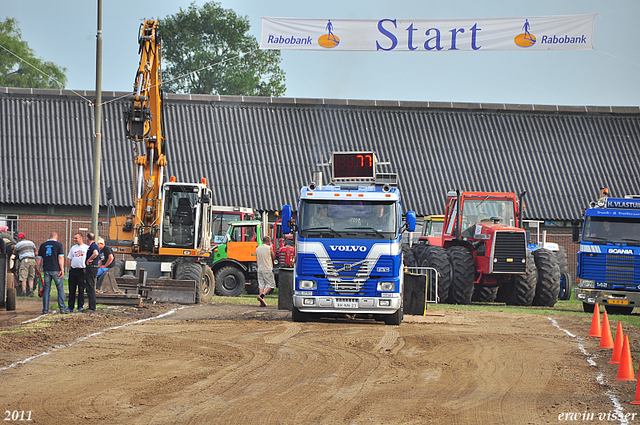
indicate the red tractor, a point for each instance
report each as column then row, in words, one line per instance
column 483, row 256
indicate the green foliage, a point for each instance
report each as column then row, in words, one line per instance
column 19, row 67
column 200, row 48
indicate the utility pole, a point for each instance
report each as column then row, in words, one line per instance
column 97, row 148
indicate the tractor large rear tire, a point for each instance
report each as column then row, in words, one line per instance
column 485, row 294
column 523, row 288
column 190, row 271
column 548, row 283
column 436, row 257
column 463, row 272
column 229, row 281
column 409, row 258
column 566, row 284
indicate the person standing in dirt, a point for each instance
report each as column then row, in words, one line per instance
column 92, row 260
column 51, row 261
column 25, row 252
column 266, row 281
column 77, row 271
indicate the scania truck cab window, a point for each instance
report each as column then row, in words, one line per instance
column 348, row 248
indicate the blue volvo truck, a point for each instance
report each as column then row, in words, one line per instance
column 609, row 257
column 349, row 257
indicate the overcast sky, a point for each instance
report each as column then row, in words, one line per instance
column 64, row 32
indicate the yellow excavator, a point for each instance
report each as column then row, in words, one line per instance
column 168, row 233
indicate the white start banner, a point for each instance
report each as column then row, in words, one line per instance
column 572, row 32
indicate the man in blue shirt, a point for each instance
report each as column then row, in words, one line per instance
column 51, row 261
column 92, row 259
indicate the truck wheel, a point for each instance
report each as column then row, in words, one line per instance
column 523, row 287
column 229, row 281
column 208, row 285
column 436, row 257
column 190, row 271
column 394, row 319
column 485, row 294
column 298, row 316
column 11, row 299
column 566, row 287
column 588, row 308
column 548, row 283
column 611, row 309
column 463, row 271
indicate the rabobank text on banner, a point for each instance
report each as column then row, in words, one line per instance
column 572, row 32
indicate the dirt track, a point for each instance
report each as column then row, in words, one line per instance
column 240, row 364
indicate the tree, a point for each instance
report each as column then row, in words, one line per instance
column 19, row 67
column 208, row 51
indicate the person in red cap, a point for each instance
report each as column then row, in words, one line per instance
column 25, row 251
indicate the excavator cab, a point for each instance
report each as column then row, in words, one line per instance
column 187, row 212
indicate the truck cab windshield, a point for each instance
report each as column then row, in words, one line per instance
column 485, row 211
column 353, row 219
column 611, row 230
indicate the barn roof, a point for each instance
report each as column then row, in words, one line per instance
column 258, row 152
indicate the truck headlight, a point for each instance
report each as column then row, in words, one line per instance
column 587, row 283
column 386, row 286
column 307, row 284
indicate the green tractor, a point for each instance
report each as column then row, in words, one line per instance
column 234, row 260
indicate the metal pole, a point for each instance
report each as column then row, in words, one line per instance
column 95, row 204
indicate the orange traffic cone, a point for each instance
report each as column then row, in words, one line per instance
column 617, row 348
column 606, row 341
column 595, row 330
column 625, row 369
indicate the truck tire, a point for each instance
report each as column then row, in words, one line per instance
column 436, row 257
column 463, row 272
column 588, row 308
column 522, row 289
column 485, row 294
column 229, row 281
column 11, row 299
column 548, row 283
column 394, row 319
column 190, row 271
column 208, row 285
column 611, row 309
column 298, row 316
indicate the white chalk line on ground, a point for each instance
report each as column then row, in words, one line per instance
column 617, row 407
column 84, row 338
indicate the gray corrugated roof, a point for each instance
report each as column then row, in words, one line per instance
column 257, row 152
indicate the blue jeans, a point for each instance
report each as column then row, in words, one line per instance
column 47, row 290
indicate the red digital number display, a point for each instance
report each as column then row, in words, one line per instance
column 351, row 165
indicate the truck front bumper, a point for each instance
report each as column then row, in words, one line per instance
column 346, row 304
column 608, row 297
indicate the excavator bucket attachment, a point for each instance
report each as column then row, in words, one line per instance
column 160, row 289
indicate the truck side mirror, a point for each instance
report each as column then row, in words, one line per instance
column 411, row 221
column 576, row 231
column 286, row 218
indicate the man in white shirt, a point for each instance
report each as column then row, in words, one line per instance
column 266, row 280
column 76, row 263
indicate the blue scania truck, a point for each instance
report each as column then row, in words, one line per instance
column 609, row 256
column 349, row 257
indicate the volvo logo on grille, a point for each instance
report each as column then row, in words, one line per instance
column 348, row 248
